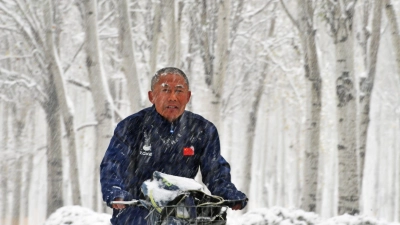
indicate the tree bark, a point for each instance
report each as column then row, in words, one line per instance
column 221, row 60
column 171, row 31
column 128, row 56
column 155, row 37
column 65, row 104
column 395, row 32
column 5, row 164
column 206, row 48
column 18, row 127
column 29, row 163
column 103, row 104
column 346, row 109
column 367, row 84
column 178, row 47
column 313, row 109
column 54, row 154
column 395, row 36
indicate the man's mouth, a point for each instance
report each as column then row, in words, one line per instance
column 172, row 107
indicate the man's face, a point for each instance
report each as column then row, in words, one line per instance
column 170, row 96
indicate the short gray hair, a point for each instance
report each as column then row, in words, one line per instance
column 168, row 70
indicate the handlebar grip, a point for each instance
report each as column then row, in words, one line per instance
column 231, row 203
column 132, row 202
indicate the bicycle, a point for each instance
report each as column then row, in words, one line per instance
column 181, row 213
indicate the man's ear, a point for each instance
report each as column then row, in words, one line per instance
column 151, row 97
column 189, row 95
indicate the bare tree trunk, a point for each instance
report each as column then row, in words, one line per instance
column 397, row 146
column 178, row 56
column 29, row 164
column 251, row 127
column 221, row 60
column 346, row 110
column 155, row 37
column 395, row 36
column 367, row 84
column 103, row 104
column 378, row 163
column 313, row 109
column 340, row 16
column 395, row 32
column 128, row 56
column 18, row 125
column 283, row 151
column 4, row 163
column 54, row 156
column 205, row 44
column 65, row 104
column 171, row 31
column 191, row 43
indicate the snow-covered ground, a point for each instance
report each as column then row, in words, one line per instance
column 77, row 215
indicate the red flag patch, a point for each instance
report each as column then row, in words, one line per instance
column 188, row 151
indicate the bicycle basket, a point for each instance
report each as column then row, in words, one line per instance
column 175, row 200
column 172, row 215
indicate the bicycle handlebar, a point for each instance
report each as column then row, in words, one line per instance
column 222, row 203
column 132, row 202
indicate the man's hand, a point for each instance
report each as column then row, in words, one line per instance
column 238, row 206
column 118, row 206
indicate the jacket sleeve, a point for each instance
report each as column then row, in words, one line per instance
column 216, row 170
column 112, row 168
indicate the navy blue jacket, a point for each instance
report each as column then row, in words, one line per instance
column 145, row 142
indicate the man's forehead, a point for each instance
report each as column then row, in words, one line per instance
column 178, row 85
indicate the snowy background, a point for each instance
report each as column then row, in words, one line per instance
column 70, row 70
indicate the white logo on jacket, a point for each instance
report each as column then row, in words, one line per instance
column 146, row 150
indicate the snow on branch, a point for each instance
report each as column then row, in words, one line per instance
column 295, row 23
column 252, row 14
column 13, row 29
column 13, row 78
column 15, row 57
column 31, row 38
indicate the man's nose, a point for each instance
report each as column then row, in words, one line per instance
column 172, row 96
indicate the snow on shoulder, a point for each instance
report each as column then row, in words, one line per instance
column 77, row 215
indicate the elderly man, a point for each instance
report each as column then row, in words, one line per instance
column 163, row 138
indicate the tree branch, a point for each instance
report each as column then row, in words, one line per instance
column 290, row 15
column 83, row 85
column 73, row 59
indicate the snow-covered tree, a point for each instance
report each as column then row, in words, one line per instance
column 339, row 16
column 367, row 83
column 313, row 109
column 104, row 110
column 128, row 55
column 394, row 31
column 66, row 107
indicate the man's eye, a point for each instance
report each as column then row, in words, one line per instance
column 164, row 90
column 179, row 91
